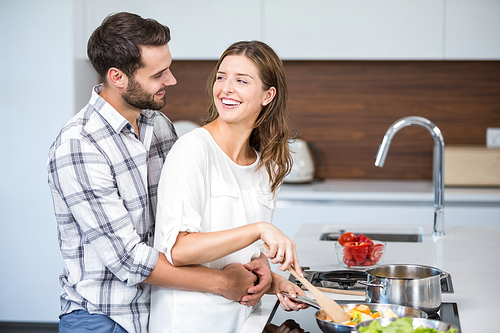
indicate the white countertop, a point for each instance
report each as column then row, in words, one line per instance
column 384, row 190
column 471, row 254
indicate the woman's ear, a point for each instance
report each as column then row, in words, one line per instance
column 270, row 93
column 117, row 78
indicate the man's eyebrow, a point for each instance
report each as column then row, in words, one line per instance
column 160, row 72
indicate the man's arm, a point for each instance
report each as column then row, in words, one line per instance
column 232, row 282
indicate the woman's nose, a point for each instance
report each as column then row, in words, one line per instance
column 228, row 87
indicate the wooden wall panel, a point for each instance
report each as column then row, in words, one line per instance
column 345, row 107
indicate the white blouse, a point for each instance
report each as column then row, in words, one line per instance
column 202, row 190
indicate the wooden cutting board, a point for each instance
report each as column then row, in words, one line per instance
column 471, row 166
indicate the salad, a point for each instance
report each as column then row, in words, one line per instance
column 401, row 325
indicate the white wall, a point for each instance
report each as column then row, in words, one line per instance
column 36, row 99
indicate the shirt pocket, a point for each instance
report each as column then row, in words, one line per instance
column 266, row 199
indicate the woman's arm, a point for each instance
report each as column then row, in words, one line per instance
column 202, row 247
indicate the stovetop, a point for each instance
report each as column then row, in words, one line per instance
column 349, row 280
column 305, row 320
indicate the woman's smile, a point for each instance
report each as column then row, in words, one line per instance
column 229, row 102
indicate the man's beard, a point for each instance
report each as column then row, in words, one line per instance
column 137, row 97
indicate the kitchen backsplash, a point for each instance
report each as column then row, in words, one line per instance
column 345, row 107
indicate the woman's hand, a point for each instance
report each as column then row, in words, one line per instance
column 259, row 267
column 279, row 248
column 281, row 284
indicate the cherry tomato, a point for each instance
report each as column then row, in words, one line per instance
column 349, row 262
column 375, row 253
column 362, row 238
column 347, row 237
column 359, row 251
column 348, row 253
column 367, row 262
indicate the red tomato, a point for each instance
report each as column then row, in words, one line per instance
column 363, row 238
column 359, row 251
column 367, row 262
column 375, row 253
column 349, row 262
column 347, row 237
column 348, row 253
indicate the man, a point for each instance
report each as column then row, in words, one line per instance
column 103, row 172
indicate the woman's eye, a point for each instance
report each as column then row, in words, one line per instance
column 219, row 78
column 241, row 81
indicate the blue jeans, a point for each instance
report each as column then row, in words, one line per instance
column 80, row 321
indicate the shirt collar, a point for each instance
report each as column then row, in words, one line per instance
column 111, row 115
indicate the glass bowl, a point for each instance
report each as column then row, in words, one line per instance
column 360, row 257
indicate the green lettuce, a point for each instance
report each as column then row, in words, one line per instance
column 401, row 325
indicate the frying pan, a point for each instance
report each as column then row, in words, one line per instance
column 327, row 326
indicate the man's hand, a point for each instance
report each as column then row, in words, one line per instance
column 260, row 267
column 237, row 281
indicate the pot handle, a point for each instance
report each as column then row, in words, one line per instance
column 443, row 275
column 371, row 284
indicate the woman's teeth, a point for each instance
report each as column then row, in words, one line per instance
column 230, row 102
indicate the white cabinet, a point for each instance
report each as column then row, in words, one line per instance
column 381, row 202
column 364, row 29
column 318, row 30
column 472, row 29
column 200, row 29
column 290, row 215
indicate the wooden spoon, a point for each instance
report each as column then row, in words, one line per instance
column 328, row 305
column 342, row 291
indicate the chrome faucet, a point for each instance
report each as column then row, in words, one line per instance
column 438, row 162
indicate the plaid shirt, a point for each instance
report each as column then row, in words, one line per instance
column 104, row 182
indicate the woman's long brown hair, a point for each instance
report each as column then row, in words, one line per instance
column 272, row 130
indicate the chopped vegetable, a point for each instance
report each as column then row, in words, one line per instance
column 359, row 314
column 364, row 309
column 389, row 314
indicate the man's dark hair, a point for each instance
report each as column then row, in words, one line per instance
column 117, row 41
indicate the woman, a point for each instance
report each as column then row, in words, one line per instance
column 219, row 187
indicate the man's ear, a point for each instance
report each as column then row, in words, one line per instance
column 117, row 78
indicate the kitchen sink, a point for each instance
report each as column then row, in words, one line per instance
column 393, row 234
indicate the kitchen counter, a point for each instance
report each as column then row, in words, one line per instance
column 385, row 190
column 469, row 253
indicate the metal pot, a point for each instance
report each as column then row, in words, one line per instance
column 415, row 286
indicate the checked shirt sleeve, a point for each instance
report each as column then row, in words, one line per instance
column 95, row 216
